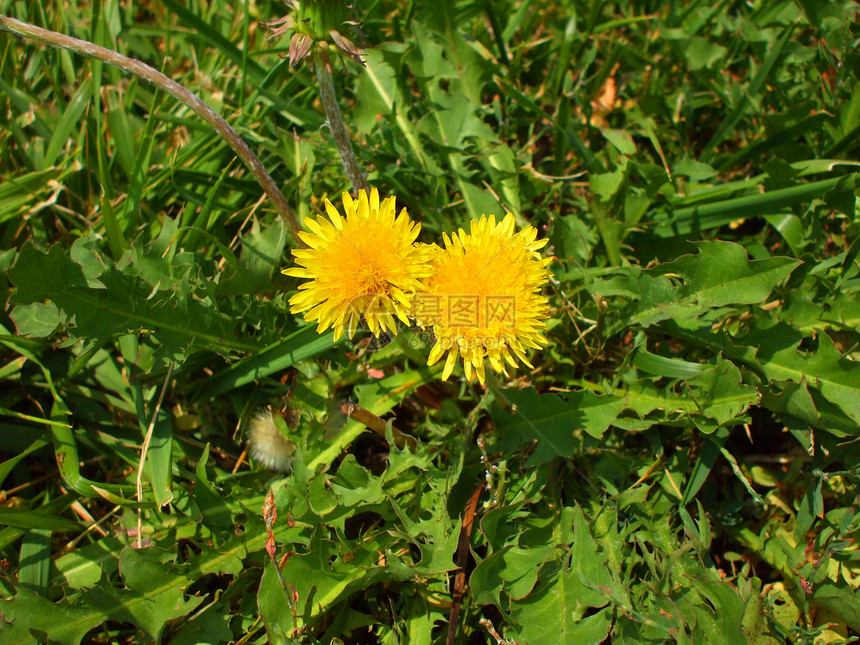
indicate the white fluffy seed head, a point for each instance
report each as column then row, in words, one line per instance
column 268, row 445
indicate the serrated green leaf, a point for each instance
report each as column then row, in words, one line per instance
column 797, row 400
column 720, row 275
column 209, row 627
column 154, row 593
column 552, row 420
column 722, row 624
column 837, row 378
column 124, row 305
column 321, row 578
column 353, row 484
column 553, row 613
column 720, row 393
column 542, row 626
column 29, row 619
column 512, row 570
column 713, row 398
column 435, row 537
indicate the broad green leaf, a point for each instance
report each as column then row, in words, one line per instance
column 82, row 567
column 353, row 484
column 552, row 623
column 703, row 53
column 209, row 627
column 275, row 605
column 720, row 275
column 124, row 304
column 841, row 599
column 797, row 400
column 720, row 392
column 837, row 378
column 553, row 421
column 381, row 95
column 512, row 570
column 587, row 563
column 38, row 319
column 379, row 91
column 695, row 170
column 262, row 252
column 29, row 619
column 555, row 613
column 154, row 593
column 755, row 622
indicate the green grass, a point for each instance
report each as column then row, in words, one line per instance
column 681, row 465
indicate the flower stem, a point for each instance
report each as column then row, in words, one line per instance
column 365, row 420
column 373, row 422
column 159, row 80
column 335, row 120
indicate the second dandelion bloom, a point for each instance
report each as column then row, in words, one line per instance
column 484, row 298
column 360, row 265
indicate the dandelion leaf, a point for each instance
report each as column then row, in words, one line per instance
column 114, row 303
column 29, row 619
column 553, row 421
column 154, row 593
column 718, row 276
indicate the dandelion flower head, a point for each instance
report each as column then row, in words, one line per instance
column 484, row 298
column 363, row 264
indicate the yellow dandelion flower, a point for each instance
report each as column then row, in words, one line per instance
column 484, row 298
column 362, row 265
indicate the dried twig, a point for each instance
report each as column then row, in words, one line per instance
column 376, row 424
column 462, row 557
